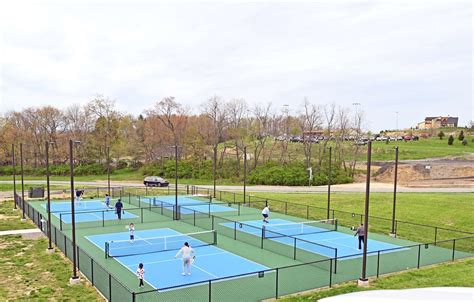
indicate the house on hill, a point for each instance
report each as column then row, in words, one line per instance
column 435, row 122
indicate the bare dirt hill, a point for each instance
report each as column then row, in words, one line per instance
column 428, row 172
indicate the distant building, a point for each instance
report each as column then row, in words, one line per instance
column 434, row 122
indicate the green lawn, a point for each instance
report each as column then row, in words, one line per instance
column 457, row 274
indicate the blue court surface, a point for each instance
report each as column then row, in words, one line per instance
column 162, row 270
column 346, row 245
column 188, row 204
column 86, row 210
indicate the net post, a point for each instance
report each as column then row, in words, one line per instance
column 336, row 223
column 106, row 250
column 262, row 237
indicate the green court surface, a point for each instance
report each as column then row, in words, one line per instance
column 290, row 270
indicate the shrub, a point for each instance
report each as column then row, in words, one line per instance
column 464, row 142
column 441, row 135
column 450, row 140
column 461, row 135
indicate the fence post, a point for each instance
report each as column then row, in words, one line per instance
column 92, row 272
column 238, row 207
column 335, row 261
column 141, row 216
column 210, row 291
column 110, row 288
column 262, row 237
column 194, row 218
column 276, row 286
column 454, row 246
column 436, row 234
column 330, row 272
column 212, row 222
column 419, row 253
column 60, row 221
column 78, row 263
column 294, row 249
column 235, row 230
column 378, row 263
column 133, row 297
column 103, row 219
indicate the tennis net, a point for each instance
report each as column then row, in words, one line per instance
column 121, row 248
column 299, row 228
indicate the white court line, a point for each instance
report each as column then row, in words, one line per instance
column 205, row 271
column 176, row 259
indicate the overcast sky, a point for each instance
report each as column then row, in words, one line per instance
column 414, row 57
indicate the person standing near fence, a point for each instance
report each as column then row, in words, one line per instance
column 78, row 196
column 360, row 233
column 265, row 213
column 141, row 274
column 118, row 209
column 186, row 251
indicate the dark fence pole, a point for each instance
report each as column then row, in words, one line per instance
column 395, row 191
column 245, row 170
column 363, row 279
column 276, row 284
column 419, row 255
column 14, row 176
column 329, row 183
column 454, row 248
column 378, row 263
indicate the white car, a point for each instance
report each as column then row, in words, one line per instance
column 155, row 181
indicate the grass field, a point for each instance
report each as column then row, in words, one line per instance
column 451, row 210
column 457, row 274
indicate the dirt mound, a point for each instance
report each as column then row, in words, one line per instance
column 434, row 171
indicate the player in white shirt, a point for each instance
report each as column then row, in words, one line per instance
column 265, row 213
column 186, row 251
column 131, row 228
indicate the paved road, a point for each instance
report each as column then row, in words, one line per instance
column 354, row 187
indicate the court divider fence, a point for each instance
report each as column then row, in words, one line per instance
column 254, row 286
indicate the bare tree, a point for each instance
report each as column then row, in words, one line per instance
column 237, row 109
column 259, row 130
column 309, row 120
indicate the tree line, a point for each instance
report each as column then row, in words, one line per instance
column 221, row 128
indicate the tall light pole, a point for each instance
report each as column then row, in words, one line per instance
column 75, row 278
column 394, row 231
column 245, row 171
column 329, row 183
column 176, row 181
column 108, row 170
column 363, row 281
column 14, row 177
column 50, row 246
column 23, row 217
column 214, row 169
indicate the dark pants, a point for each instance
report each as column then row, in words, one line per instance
column 141, row 283
column 119, row 214
column 361, row 239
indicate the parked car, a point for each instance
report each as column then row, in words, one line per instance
column 155, row 181
column 415, row 138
